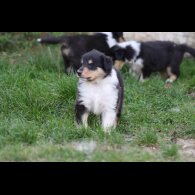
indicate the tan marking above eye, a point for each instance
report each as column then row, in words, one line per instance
column 90, row 62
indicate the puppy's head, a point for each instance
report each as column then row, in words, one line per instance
column 95, row 65
column 118, row 36
column 123, row 53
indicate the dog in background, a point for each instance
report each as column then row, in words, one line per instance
column 73, row 47
column 153, row 56
column 100, row 90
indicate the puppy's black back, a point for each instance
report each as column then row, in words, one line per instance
column 158, row 54
column 79, row 45
column 85, row 43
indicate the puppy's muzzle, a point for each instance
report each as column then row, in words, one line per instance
column 79, row 72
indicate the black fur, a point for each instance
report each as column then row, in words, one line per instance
column 53, row 39
column 157, row 56
column 93, row 60
column 99, row 60
column 73, row 47
column 120, row 94
column 123, row 53
column 80, row 111
column 118, row 36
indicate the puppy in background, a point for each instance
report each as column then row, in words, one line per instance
column 100, row 90
column 73, row 47
column 153, row 56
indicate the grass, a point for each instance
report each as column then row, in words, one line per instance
column 170, row 151
column 37, row 112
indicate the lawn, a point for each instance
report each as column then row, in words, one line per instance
column 37, row 112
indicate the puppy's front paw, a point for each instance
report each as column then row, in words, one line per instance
column 168, row 85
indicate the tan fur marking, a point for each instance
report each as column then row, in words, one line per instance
column 92, row 74
column 66, row 51
column 172, row 77
column 164, row 74
column 121, row 39
column 119, row 64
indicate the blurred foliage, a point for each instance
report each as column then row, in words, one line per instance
column 14, row 41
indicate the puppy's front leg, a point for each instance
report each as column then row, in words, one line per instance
column 172, row 77
column 81, row 115
column 119, row 64
column 109, row 120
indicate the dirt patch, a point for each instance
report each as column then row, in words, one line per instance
column 187, row 148
column 85, row 146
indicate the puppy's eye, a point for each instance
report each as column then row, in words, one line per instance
column 92, row 67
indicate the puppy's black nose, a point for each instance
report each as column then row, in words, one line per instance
column 79, row 72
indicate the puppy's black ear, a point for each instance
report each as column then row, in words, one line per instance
column 119, row 53
column 107, row 64
column 129, row 53
column 117, row 35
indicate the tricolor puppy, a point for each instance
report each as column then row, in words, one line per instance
column 154, row 56
column 100, row 90
column 73, row 47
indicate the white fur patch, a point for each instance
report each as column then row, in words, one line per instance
column 100, row 97
column 84, row 119
column 110, row 39
column 136, row 67
column 90, row 62
column 108, row 120
column 136, row 64
column 39, row 40
column 141, row 79
column 134, row 44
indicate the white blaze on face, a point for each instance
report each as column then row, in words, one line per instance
column 136, row 46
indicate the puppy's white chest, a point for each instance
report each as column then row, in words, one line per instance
column 100, row 97
column 95, row 100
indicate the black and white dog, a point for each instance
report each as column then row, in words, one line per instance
column 100, row 90
column 153, row 56
column 73, row 47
